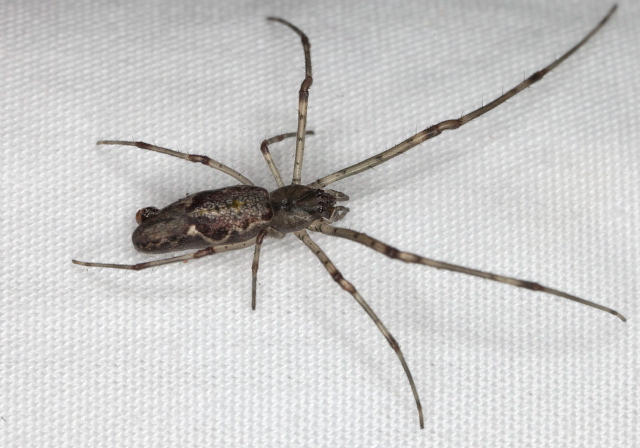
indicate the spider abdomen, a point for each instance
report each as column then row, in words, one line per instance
column 208, row 218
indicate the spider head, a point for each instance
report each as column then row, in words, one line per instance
column 297, row 206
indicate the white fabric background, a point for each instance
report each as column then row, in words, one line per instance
column 545, row 188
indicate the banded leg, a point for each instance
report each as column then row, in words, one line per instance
column 303, row 99
column 264, row 147
column 254, row 267
column 347, row 286
column 181, row 155
column 407, row 257
column 435, row 130
column 192, row 256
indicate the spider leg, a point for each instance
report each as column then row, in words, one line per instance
column 192, row 256
column 407, row 257
column 254, row 267
column 303, row 99
column 347, row 286
column 181, row 155
column 264, row 147
column 437, row 129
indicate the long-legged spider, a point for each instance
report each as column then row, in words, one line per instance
column 241, row 216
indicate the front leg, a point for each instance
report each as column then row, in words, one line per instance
column 407, row 257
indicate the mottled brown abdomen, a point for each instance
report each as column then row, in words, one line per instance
column 209, row 218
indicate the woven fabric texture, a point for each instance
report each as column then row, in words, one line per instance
column 546, row 188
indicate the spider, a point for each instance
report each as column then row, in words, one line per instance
column 241, row 216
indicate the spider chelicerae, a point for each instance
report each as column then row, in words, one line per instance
column 241, row 216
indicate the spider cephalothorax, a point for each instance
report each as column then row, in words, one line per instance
column 296, row 207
